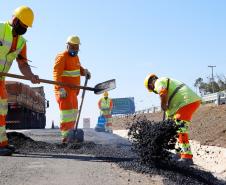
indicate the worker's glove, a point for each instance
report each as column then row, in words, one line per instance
column 35, row 79
column 63, row 93
column 87, row 73
column 164, row 107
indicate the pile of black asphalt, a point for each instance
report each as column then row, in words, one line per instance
column 152, row 142
column 148, row 153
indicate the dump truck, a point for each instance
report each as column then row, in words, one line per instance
column 26, row 106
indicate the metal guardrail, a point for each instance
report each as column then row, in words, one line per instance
column 218, row 98
column 153, row 109
column 149, row 110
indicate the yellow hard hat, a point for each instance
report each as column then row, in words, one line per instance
column 147, row 79
column 73, row 39
column 105, row 94
column 25, row 15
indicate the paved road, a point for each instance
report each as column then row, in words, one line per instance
column 43, row 161
column 76, row 169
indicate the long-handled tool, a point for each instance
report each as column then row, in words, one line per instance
column 164, row 116
column 98, row 89
column 78, row 134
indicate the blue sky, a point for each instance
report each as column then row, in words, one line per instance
column 126, row 40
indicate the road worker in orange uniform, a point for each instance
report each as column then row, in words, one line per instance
column 13, row 46
column 179, row 102
column 68, row 69
column 105, row 105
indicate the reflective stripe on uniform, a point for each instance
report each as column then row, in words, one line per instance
column 183, row 126
column 108, row 118
column 73, row 73
column 105, row 112
column 105, row 104
column 64, row 134
column 6, row 43
column 185, row 148
column 3, row 136
column 108, row 125
column 3, row 106
column 6, row 39
column 3, row 62
column 7, row 64
column 68, row 115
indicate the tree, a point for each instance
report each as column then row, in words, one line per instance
column 198, row 82
column 222, row 82
column 211, row 86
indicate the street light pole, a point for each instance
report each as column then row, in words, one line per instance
column 212, row 78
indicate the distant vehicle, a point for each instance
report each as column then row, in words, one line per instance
column 100, row 127
column 26, row 106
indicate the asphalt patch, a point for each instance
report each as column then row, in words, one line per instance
column 119, row 154
column 25, row 144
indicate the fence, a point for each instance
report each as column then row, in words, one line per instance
column 218, row 98
column 143, row 111
column 149, row 110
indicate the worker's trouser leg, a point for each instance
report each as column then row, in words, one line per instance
column 183, row 120
column 68, row 113
column 3, row 112
column 183, row 143
column 3, row 137
column 108, row 125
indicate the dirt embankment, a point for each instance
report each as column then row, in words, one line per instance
column 208, row 124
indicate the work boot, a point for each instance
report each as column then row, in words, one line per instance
column 64, row 141
column 186, row 161
column 174, row 157
column 79, row 135
column 5, row 152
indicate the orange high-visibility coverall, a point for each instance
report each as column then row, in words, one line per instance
column 67, row 69
column 3, row 94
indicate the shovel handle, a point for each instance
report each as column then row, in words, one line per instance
column 164, row 116
column 80, row 108
column 48, row 81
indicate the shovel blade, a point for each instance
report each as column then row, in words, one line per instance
column 76, row 136
column 105, row 86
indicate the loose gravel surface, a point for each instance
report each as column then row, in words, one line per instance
column 108, row 149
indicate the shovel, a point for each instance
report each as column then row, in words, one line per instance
column 164, row 116
column 77, row 135
column 97, row 89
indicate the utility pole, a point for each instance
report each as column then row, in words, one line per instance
column 212, row 78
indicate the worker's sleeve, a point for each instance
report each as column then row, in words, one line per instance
column 82, row 71
column 111, row 104
column 163, row 92
column 161, row 88
column 22, row 57
column 58, row 69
